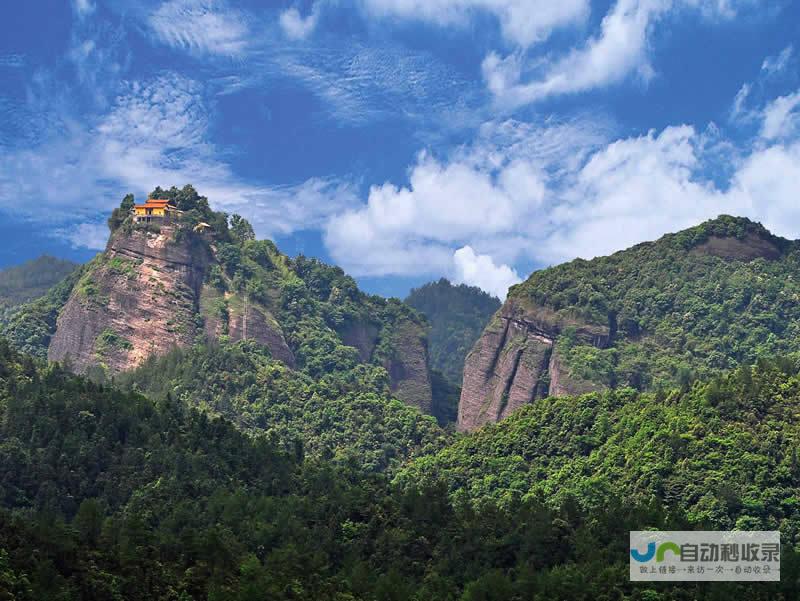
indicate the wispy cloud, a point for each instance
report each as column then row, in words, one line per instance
column 83, row 8
column 773, row 65
column 620, row 49
column 360, row 84
column 155, row 133
column 781, row 117
column 12, row 61
column 295, row 25
column 201, row 26
column 523, row 22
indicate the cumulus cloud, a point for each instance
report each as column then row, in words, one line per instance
column 526, row 194
column 412, row 230
column 85, row 235
column 297, row 27
column 523, row 22
column 201, row 26
column 781, row 117
column 481, row 271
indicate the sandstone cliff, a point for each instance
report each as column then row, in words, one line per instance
column 156, row 289
column 516, row 361
column 408, row 367
column 242, row 318
column 136, row 299
column 406, row 362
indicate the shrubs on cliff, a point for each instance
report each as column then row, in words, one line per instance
column 691, row 304
column 31, row 326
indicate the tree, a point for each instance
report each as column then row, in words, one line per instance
column 241, row 228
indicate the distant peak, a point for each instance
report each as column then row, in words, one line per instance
column 734, row 238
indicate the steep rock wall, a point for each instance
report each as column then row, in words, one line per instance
column 408, row 367
column 137, row 299
column 514, row 362
column 230, row 315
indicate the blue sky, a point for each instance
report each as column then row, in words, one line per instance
column 403, row 139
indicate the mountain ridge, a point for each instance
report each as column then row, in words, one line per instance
column 167, row 284
column 653, row 315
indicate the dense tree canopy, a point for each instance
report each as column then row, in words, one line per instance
column 106, row 494
column 457, row 315
column 691, row 304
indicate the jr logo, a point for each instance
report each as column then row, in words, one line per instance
column 651, row 552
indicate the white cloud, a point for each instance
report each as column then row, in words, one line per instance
column 296, row 26
column 84, row 8
column 781, row 118
column 620, row 49
column 776, row 64
column 481, row 271
column 739, row 109
column 523, row 22
column 553, row 193
column 413, row 229
column 607, row 58
column 201, row 26
column 156, row 134
column 85, row 235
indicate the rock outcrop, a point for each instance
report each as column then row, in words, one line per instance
column 238, row 318
column 138, row 298
column 409, row 375
column 515, row 362
column 408, row 367
column 154, row 290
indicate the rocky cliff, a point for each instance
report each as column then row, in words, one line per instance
column 516, row 361
column 654, row 316
column 138, row 298
column 154, row 289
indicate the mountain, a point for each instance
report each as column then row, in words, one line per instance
column 457, row 315
column 108, row 494
column 32, row 279
column 724, row 452
column 659, row 314
column 168, row 284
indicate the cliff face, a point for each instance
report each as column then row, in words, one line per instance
column 150, row 292
column 515, row 362
column 408, row 367
column 690, row 304
column 238, row 318
column 138, row 298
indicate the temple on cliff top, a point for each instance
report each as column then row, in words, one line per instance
column 155, row 210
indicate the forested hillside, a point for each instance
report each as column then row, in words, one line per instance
column 457, row 315
column 204, row 276
column 724, row 453
column 32, row 279
column 110, row 495
column 660, row 314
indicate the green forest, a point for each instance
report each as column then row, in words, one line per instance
column 107, row 494
column 457, row 316
column 219, row 472
column 692, row 304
